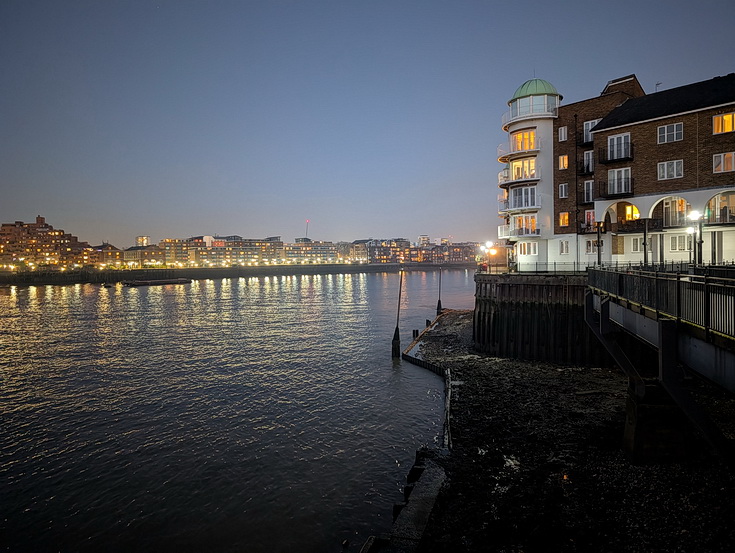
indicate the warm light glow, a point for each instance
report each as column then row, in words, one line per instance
column 489, row 244
column 694, row 215
column 690, row 230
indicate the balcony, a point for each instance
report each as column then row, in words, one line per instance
column 585, row 168
column 615, row 153
column 585, row 197
column 507, row 177
column 537, row 113
column 588, row 228
column 583, row 140
column 636, row 226
column 506, row 205
column 505, row 231
column 508, row 151
column 620, row 188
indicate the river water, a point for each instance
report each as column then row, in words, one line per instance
column 249, row 415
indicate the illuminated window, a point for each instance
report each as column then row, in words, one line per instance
column 523, row 169
column 562, row 134
column 564, row 219
column 564, row 190
column 589, row 218
column 523, row 140
column 632, row 213
column 563, row 161
column 671, row 170
column 723, row 123
column 723, row 163
column 670, row 133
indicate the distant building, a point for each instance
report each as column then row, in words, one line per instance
column 309, row 251
column 144, row 256
column 107, row 254
column 39, row 245
column 142, row 240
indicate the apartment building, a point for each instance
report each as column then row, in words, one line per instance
column 634, row 177
column 39, row 244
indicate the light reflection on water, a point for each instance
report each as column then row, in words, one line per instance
column 260, row 414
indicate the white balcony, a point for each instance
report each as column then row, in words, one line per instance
column 509, row 117
column 506, row 176
column 506, row 231
column 508, row 151
column 508, row 205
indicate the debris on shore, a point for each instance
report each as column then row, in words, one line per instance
column 537, row 465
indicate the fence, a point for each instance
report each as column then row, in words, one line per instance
column 702, row 300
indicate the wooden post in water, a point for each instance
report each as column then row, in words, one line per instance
column 439, row 303
column 396, row 350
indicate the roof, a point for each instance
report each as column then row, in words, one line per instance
column 692, row 97
column 535, row 87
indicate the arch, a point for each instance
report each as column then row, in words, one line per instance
column 670, row 212
column 720, row 208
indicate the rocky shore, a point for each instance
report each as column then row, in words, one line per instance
column 536, row 464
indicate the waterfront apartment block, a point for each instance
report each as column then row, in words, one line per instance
column 40, row 245
column 622, row 177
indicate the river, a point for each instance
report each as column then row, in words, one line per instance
column 249, row 415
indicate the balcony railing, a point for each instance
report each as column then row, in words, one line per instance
column 619, row 188
column 509, row 205
column 509, row 117
column 505, row 231
column 614, row 154
column 508, row 150
column 588, row 228
column 585, row 168
column 507, row 176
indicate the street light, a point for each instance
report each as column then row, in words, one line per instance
column 699, row 239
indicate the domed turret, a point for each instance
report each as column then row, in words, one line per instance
column 534, row 98
column 535, row 87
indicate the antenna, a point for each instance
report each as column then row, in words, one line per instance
column 658, row 84
column 307, row 229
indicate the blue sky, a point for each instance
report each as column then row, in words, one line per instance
column 369, row 118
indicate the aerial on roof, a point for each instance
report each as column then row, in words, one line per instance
column 535, row 87
column 692, row 97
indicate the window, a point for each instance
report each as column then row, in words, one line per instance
column 527, row 248
column 671, row 170
column 589, row 162
column 563, row 161
column 631, row 213
column 564, row 190
column 589, row 190
column 637, row 245
column 523, row 140
column 523, row 169
column 670, row 133
column 563, row 247
column 564, row 219
column 523, row 197
column 723, row 163
column 524, row 225
column 587, row 130
column 590, row 246
column 619, row 181
column 562, row 134
column 618, row 146
column 680, row 243
column 723, row 123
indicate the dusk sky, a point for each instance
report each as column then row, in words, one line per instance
column 370, row 118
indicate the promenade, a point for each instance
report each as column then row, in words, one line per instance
column 536, row 463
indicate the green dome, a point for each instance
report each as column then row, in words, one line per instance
column 535, row 87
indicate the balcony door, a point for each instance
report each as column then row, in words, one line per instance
column 618, row 146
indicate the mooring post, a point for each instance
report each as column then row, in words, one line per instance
column 439, row 303
column 396, row 349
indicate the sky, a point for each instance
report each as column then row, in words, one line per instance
column 369, row 118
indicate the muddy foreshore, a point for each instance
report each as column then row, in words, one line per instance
column 536, row 464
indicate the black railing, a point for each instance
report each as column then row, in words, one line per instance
column 704, row 301
column 613, row 154
column 585, row 168
column 616, row 189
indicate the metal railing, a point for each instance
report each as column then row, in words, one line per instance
column 705, row 301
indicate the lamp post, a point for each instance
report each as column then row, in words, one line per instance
column 698, row 238
column 690, row 232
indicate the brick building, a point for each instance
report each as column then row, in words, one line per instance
column 40, row 245
column 630, row 174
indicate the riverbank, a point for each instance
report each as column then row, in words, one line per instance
column 536, row 464
column 97, row 276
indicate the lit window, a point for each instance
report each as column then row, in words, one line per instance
column 632, row 213
column 524, row 169
column 563, row 161
column 671, row 170
column 670, row 133
column 564, row 190
column 589, row 218
column 564, row 219
column 562, row 134
column 723, row 123
column 723, row 163
column 523, row 140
